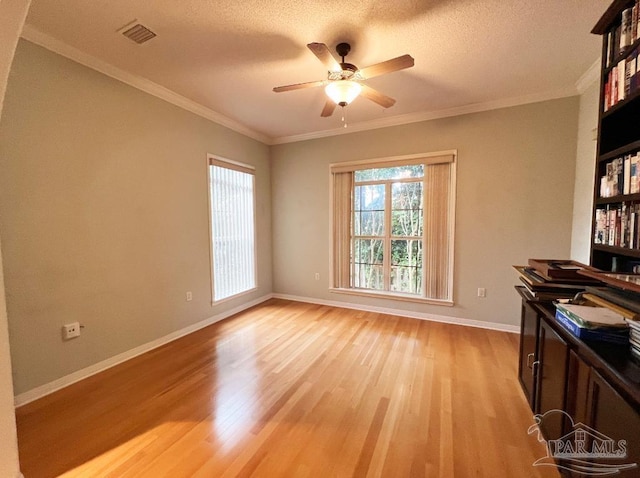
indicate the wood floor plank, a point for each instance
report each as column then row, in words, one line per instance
column 289, row 389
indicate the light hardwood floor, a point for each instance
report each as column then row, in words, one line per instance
column 295, row 390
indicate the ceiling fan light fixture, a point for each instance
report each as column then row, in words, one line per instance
column 343, row 92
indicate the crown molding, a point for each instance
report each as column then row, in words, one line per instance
column 46, row 41
column 429, row 115
column 589, row 77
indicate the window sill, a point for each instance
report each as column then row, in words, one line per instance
column 231, row 297
column 392, row 296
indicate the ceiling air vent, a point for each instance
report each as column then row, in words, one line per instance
column 138, row 33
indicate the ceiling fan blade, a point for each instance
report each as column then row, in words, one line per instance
column 395, row 64
column 324, row 55
column 298, row 86
column 377, row 97
column 328, row 109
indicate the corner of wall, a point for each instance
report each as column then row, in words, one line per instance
column 584, row 176
column 12, row 16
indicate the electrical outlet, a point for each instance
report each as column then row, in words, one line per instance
column 482, row 292
column 317, row 276
column 189, row 296
column 70, row 331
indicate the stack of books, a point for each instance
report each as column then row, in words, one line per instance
column 625, row 302
column 551, row 279
column 634, row 338
column 593, row 323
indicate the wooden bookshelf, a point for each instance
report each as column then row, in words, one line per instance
column 615, row 242
column 596, row 383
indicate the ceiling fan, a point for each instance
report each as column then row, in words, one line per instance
column 344, row 80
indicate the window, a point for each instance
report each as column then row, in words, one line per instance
column 231, row 193
column 393, row 227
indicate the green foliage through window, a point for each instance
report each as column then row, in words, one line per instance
column 387, row 229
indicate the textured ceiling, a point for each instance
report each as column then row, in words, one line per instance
column 226, row 56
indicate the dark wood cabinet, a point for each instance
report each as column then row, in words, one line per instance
column 542, row 367
column 596, row 384
column 611, row 415
column 528, row 351
column 578, row 374
column 551, row 380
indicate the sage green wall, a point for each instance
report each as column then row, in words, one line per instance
column 103, row 210
column 584, row 176
column 104, row 215
column 515, row 177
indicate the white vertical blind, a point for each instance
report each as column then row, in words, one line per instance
column 342, row 204
column 232, row 230
column 437, row 227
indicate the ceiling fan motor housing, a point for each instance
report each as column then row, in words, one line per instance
column 343, row 49
column 348, row 69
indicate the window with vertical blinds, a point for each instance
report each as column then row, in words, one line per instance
column 233, row 261
column 393, row 225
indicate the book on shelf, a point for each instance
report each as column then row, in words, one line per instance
column 626, row 38
column 634, row 21
column 626, row 180
column 634, row 172
column 623, row 35
column 613, row 44
column 620, row 75
column 618, row 225
column 608, row 229
column 621, row 176
column 633, row 71
column 622, row 80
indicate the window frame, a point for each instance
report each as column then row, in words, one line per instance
column 432, row 158
column 387, row 237
column 215, row 160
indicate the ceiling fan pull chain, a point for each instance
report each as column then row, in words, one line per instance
column 344, row 116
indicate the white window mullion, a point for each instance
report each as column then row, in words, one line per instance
column 424, row 239
column 352, row 240
column 386, row 260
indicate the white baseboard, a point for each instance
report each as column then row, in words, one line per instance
column 46, row 389
column 405, row 313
